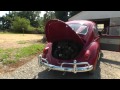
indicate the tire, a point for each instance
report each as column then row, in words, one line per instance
column 91, row 72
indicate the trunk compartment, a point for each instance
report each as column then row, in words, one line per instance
column 66, row 49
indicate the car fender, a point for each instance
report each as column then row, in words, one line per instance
column 94, row 52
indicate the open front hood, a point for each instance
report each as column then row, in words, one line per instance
column 57, row 30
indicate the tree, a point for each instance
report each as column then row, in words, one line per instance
column 62, row 15
column 20, row 23
column 72, row 13
column 6, row 20
column 65, row 15
column 48, row 15
column 31, row 15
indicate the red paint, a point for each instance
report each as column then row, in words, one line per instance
column 87, row 55
column 59, row 30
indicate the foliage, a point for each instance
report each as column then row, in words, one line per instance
column 65, row 15
column 12, row 22
column 30, row 28
column 62, row 15
column 20, row 24
column 47, row 16
column 72, row 13
column 30, row 15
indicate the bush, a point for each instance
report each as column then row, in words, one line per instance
column 40, row 30
column 30, row 28
column 20, row 23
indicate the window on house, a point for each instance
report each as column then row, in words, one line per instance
column 100, row 27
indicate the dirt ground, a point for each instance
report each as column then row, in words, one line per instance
column 16, row 40
column 108, row 67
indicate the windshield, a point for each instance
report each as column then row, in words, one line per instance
column 78, row 28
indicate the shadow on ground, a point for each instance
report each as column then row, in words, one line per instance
column 59, row 75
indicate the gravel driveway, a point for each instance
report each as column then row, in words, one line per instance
column 108, row 68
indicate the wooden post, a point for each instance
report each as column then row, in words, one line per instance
column 23, row 31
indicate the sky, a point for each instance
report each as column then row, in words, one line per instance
column 4, row 12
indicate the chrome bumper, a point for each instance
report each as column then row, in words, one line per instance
column 75, row 69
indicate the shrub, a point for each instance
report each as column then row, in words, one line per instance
column 41, row 29
column 20, row 23
column 30, row 28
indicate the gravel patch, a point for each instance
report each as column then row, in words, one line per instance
column 27, row 71
column 107, row 68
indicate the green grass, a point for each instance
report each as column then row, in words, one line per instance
column 4, row 54
column 6, row 33
column 30, row 50
column 5, row 62
column 8, row 56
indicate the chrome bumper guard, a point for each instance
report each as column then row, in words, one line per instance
column 75, row 69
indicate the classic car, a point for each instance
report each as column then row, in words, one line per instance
column 72, row 46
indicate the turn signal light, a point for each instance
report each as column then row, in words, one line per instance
column 45, row 51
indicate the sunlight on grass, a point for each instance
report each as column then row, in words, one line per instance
column 8, row 56
column 6, row 33
column 30, row 50
column 4, row 54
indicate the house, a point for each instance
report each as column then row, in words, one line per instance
column 108, row 22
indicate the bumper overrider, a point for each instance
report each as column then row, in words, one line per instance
column 74, row 69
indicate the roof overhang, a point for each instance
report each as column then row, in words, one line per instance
column 88, row 15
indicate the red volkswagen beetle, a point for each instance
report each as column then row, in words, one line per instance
column 72, row 46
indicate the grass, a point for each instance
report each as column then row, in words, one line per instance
column 6, row 33
column 8, row 56
column 30, row 50
column 21, row 42
column 4, row 54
